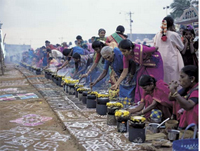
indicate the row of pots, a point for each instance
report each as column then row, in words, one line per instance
column 56, row 79
column 91, row 100
column 37, row 71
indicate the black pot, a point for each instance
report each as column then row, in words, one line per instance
column 84, row 97
column 91, row 101
column 45, row 74
column 111, row 111
column 136, row 135
column 91, row 96
column 101, row 107
column 59, row 81
column 102, row 101
column 80, row 95
column 111, row 120
column 54, row 79
column 76, row 92
column 71, row 89
column 38, row 71
column 137, row 125
column 122, row 126
column 29, row 68
column 50, row 76
column 66, row 88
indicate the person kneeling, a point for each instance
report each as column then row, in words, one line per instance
column 155, row 96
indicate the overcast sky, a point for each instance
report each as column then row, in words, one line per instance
column 34, row 21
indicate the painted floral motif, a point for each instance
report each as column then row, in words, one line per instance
column 32, row 120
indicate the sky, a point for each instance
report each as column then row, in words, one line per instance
column 34, row 21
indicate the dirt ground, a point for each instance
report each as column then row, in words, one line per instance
column 36, row 114
column 29, row 123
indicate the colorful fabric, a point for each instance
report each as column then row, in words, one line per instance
column 160, row 95
column 82, row 64
column 126, row 93
column 114, row 39
column 91, row 50
column 78, row 50
column 100, row 39
column 8, row 97
column 117, row 63
column 170, row 52
column 150, row 64
column 156, row 114
column 50, row 46
column 190, row 116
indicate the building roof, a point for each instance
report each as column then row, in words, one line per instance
column 189, row 16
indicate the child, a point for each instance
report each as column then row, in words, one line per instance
column 188, row 53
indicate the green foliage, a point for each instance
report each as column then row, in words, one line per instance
column 178, row 7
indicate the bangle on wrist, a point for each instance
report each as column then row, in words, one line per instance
column 174, row 94
column 142, row 111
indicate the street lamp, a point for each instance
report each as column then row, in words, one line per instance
column 167, row 7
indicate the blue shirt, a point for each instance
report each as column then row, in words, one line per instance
column 117, row 63
column 78, row 50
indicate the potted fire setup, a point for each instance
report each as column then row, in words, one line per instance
column 69, row 85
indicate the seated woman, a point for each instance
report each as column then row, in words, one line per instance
column 114, row 59
column 148, row 59
column 81, row 64
column 185, row 105
column 155, row 96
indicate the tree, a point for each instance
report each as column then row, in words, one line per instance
column 178, row 7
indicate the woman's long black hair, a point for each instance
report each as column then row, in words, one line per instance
column 126, row 44
column 146, row 80
column 191, row 70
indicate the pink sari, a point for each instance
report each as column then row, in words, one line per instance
column 190, row 116
column 150, row 62
column 160, row 95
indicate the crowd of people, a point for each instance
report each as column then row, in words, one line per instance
column 162, row 77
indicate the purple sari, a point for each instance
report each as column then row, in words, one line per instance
column 150, row 62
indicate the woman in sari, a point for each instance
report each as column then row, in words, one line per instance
column 186, row 100
column 81, row 64
column 148, row 59
column 114, row 59
column 114, row 39
column 155, row 96
column 98, row 61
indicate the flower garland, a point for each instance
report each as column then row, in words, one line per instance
column 114, row 104
column 137, row 119
column 122, row 113
column 164, row 30
column 83, row 89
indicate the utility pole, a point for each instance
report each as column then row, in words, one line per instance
column 130, row 13
column 131, row 21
